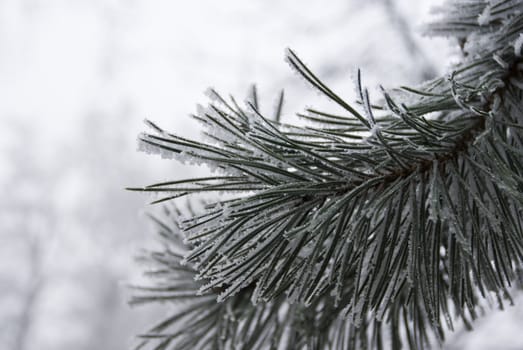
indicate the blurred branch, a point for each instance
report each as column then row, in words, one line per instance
column 426, row 69
column 31, row 296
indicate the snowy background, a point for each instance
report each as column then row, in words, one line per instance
column 77, row 78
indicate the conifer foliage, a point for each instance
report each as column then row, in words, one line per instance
column 376, row 227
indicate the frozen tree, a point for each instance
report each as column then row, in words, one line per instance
column 380, row 224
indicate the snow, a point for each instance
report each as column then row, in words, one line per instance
column 518, row 45
column 484, row 17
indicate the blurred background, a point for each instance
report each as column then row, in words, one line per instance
column 77, row 78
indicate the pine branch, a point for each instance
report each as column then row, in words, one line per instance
column 199, row 322
column 406, row 215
